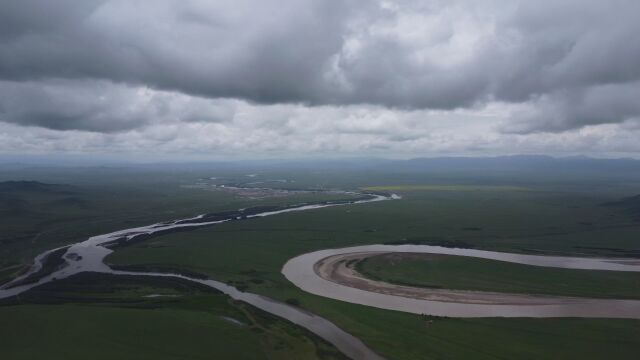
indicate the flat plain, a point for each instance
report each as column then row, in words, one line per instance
column 587, row 219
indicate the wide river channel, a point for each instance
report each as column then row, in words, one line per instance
column 304, row 271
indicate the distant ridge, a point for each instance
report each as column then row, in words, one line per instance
column 528, row 163
column 26, row 185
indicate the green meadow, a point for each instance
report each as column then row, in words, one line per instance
column 121, row 321
column 434, row 187
column 35, row 216
column 106, row 317
column 464, row 273
column 249, row 254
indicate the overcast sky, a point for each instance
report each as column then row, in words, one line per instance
column 202, row 79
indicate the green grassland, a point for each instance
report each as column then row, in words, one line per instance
column 399, row 335
column 249, row 254
column 532, row 222
column 104, row 317
column 456, row 272
column 80, row 332
column 433, row 187
column 35, row 216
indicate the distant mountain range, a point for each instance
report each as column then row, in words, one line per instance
column 32, row 186
column 516, row 167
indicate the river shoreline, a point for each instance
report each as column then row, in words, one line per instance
column 89, row 255
column 325, row 273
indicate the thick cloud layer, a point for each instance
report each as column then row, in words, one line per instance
column 101, row 106
column 120, row 65
column 262, row 51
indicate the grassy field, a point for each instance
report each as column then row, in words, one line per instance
column 80, row 331
column 530, row 222
column 250, row 254
column 405, row 336
column 103, row 317
column 35, row 216
column 457, row 272
column 433, row 187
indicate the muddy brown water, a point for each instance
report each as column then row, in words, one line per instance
column 302, row 271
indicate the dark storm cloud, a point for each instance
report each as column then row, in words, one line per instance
column 266, row 52
column 24, row 17
column 568, row 109
column 68, row 107
column 100, row 106
column 574, row 62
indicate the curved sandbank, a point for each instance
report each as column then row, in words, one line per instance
column 325, row 273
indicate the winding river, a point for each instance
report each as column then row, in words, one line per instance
column 324, row 273
column 89, row 255
column 305, row 271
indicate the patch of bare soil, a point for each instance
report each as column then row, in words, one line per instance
column 341, row 269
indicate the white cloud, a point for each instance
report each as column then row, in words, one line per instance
column 295, row 77
column 258, row 131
